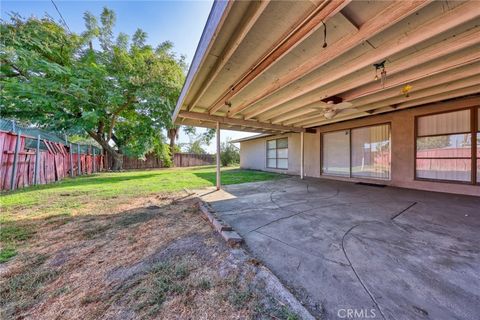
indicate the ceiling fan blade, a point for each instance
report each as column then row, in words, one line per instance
column 343, row 105
column 320, row 105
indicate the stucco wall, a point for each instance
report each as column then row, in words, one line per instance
column 252, row 153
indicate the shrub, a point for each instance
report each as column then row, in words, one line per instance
column 229, row 154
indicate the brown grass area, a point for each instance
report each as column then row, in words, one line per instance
column 151, row 257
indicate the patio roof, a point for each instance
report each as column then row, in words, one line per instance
column 278, row 66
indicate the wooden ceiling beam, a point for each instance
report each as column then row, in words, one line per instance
column 254, row 11
column 471, row 82
column 307, row 109
column 412, row 75
column 464, row 92
column 413, row 61
column 447, row 21
column 386, row 18
column 300, row 32
column 455, row 61
column 427, row 92
column 448, row 74
column 213, row 125
column 237, row 122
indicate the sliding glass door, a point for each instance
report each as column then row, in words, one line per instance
column 361, row 152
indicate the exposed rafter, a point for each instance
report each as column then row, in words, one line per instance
column 255, row 10
column 414, row 63
column 472, row 83
column 212, row 125
column 285, row 45
column 449, row 73
column 447, row 21
column 386, row 18
column 421, row 78
column 439, row 98
column 238, row 122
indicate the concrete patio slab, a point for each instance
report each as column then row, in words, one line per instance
column 383, row 253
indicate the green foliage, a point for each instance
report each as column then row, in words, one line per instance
column 162, row 151
column 121, row 94
column 229, row 154
column 197, row 140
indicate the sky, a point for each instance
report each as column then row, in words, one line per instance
column 180, row 22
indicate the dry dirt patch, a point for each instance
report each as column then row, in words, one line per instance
column 154, row 257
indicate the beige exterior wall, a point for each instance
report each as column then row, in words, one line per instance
column 253, row 154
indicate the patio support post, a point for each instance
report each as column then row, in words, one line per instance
column 302, row 148
column 37, row 162
column 218, row 156
column 93, row 170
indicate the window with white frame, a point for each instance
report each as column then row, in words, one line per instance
column 444, row 146
column 360, row 152
column 277, row 153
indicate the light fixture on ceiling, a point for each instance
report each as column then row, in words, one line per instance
column 324, row 35
column 406, row 90
column 383, row 72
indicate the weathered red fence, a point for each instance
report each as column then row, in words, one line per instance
column 54, row 163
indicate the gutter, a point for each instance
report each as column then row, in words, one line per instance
column 215, row 20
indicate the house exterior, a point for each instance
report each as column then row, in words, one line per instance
column 384, row 92
column 343, row 151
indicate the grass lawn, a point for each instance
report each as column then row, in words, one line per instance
column 98, row 193
column 125, row 245
column 74, row 196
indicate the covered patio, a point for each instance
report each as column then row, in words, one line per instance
column 299, row 70
column 376, row 98
column 393, row 253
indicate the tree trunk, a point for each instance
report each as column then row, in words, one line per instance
column 172, row 135
column 117, row 164
column 117, row 157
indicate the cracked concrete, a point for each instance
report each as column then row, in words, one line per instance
column 404, row 254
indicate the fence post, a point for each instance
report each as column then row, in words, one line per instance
column 37, row 161
column 15, row 160
column 79, row 160
column 93, row 170
column 71, row 160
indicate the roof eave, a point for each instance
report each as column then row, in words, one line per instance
column 215, row 18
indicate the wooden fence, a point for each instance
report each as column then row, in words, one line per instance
column 180, row 160
column 192, row 159
column 31, row 166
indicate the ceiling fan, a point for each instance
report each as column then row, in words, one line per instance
column 332, row 106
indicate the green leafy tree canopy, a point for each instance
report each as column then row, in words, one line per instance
column 121, row 94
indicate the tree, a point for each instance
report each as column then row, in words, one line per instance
column 196, row 140
column 121, row 94
column 172, row 134
column 229, row 154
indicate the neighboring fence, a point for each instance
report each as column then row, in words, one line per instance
column 153, row 162
column 192, row 159
column 32, row 156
